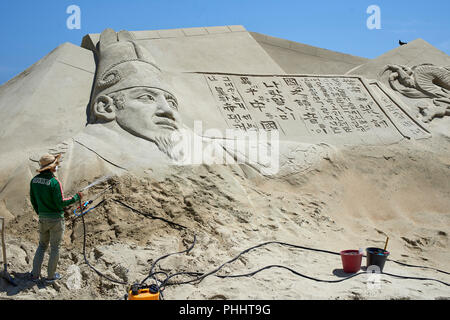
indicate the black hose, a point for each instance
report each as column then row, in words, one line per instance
column 148, row 215
column 200, row 276
column 416, row 278
column 423, row 267
column 151, row 273
column 84, row 253
column 250, row 274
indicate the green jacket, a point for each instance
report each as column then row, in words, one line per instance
column 47, row 196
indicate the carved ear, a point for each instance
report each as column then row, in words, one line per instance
column 104, row 109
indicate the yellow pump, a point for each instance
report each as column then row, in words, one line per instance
column 138, row 292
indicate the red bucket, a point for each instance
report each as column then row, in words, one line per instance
column 351, row 260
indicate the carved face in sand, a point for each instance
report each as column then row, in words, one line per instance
column 132, row 91
column 145, row 112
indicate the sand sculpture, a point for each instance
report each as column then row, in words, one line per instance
column 134, row 107
column 423, row 81
column 241, row 137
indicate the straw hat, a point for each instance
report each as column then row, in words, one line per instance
column 48, row 161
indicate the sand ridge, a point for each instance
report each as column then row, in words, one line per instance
column 350, row 201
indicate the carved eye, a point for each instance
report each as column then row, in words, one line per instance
column 146, row 98
column 171, row 101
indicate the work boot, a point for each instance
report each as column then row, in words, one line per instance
column 57, row 276
column 29, row 276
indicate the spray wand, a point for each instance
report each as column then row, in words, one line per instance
column 79, row 210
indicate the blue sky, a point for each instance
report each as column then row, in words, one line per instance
column 30, row 29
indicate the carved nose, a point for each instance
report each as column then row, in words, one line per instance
column 165, row 111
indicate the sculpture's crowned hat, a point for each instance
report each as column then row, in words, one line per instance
column 123, row 63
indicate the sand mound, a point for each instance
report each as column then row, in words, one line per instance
column 352, row 200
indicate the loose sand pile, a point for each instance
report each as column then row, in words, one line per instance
column 349, row 201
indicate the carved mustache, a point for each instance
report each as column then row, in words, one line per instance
column 166, row 120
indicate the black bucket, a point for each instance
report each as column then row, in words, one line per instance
column 376, row 256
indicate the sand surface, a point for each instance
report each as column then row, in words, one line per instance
column 352, row 200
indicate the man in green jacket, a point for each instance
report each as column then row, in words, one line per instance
column 47, row 198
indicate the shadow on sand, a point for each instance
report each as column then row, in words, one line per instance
column 24, row 283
